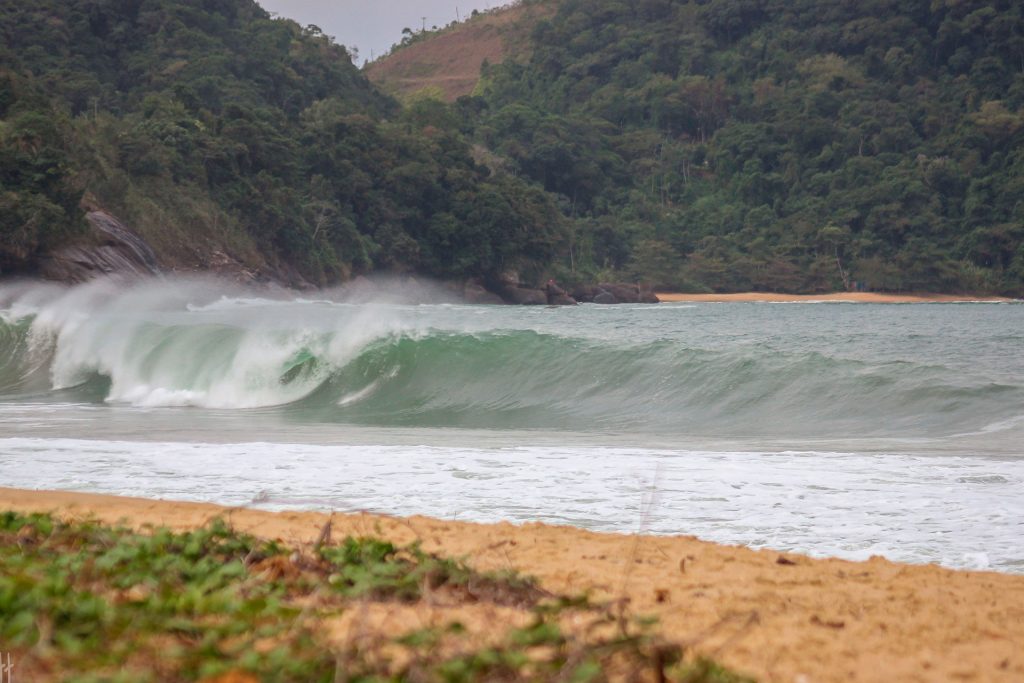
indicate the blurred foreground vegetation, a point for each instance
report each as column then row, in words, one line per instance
column 86, row 602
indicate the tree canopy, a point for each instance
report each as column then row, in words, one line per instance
column 773, row 144
column 211, row 126
column 781, row 145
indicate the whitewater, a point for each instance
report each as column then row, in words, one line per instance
column 830, row 429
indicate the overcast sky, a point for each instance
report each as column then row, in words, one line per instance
column 373, row 25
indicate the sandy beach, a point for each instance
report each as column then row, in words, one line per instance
column 777, row 617
column 852, row 297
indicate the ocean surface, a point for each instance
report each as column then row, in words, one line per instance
column 829, row 429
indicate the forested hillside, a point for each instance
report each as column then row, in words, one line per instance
column 714, row 145
column 788, row 145
column 218, row 132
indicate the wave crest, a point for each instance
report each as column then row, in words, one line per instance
column 189, row 345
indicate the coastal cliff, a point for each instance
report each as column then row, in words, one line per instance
column 109, row 248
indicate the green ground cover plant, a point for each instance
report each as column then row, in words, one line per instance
column 80, row 601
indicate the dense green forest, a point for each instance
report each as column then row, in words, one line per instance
column 209, row 126
column 788, row 145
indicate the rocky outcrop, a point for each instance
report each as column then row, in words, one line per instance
column 558, row 296
column 561, row 300
column 615, row 293
column 524, row 296
column 474, row 293
column 584, row 293
column 513, row 291
column 111, row 248
column 227, row 267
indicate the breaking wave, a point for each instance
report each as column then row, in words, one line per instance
column 187, row 344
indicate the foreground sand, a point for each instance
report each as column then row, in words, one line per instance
column 778, row 618
column 856, row 297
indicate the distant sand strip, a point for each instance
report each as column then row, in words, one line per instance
column 852, row 297
column 776, row 617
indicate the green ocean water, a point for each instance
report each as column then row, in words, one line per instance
column 913, row 408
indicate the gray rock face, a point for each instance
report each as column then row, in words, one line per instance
column 227, row 267
column 474, row 293
column 115, row 249
column 584, row 293
column 561, row 300
column 604, row 297
column 623, row 293
column 509, row 278
column 558, row 296
column 525, row 297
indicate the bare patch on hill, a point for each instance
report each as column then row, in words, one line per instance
column 449, row 62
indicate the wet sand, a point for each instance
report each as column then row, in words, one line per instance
column 776, row 617
column 852, row 297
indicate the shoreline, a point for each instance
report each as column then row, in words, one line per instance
column 776, row 616
column 846, row 297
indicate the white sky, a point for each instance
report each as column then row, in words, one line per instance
column 374, row 26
